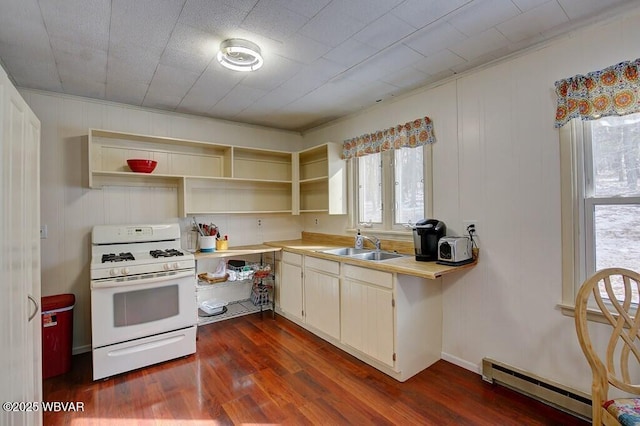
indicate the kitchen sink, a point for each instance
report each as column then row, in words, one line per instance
column 346, row 251
column 363, row 254
column 376, row 255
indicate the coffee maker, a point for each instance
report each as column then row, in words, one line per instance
column 426, row 234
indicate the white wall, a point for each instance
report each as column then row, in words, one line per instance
column 70, row 209
column 496, row 161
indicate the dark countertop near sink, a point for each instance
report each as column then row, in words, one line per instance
column 402, row 265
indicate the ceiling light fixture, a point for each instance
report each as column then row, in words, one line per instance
column 240, row 55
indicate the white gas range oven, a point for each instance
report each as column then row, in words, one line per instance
column 143, row 301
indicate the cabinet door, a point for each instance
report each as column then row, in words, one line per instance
column 291, row 290
column 322, row 301
column 367, row 319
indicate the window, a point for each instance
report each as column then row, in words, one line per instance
column 408, row 177
column 393, row 188
column 601, row 199
column 370, row 188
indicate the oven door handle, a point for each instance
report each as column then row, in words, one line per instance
column 153, row 279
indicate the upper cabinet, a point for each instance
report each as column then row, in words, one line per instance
column 260, row 183
column 108, row 153
column 320, row 183
column 263, row 165
column 212, row 178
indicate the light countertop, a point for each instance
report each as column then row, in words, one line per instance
column 237, row 251
column 402, row 265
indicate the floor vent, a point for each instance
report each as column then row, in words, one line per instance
column 566, row 399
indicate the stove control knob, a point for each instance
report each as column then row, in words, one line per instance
column 166, row 266
column 125, row 271
column 176, row 265
column 113, row 272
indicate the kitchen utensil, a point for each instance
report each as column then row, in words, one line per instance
column 142, row 166
column 195, row 224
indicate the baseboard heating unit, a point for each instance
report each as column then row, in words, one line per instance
column 561, row 397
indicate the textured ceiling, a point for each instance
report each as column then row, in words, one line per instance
column 323, row 58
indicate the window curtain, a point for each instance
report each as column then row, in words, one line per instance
column 412, row 134
column 612, row 91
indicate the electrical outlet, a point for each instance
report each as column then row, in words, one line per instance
column 259, row 222
column 316, row 221
column 467, row 223
column 44, row 232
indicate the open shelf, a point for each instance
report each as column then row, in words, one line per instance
column 102, row 178
column 314, row 163
column 109, row 151
column 214, row 179
column 235, row 309
column 321, row 184
column 314, row 195
column 235, row 196
column 258, row 164
column 237, row 293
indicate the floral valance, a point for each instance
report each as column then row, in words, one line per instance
column 612, row 91
column 412, row 134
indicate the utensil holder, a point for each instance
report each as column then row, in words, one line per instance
column 222, row 245
column 207, row 243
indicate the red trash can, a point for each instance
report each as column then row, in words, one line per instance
column 57, row 334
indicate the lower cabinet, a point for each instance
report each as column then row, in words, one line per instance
column 322, row 295
column 290, row 285
column 391, row 321
column 368, row 313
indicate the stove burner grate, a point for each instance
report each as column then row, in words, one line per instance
column 112, row 257
column 165, row 253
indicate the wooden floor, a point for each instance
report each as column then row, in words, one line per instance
column 259, row 370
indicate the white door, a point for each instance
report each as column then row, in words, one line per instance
column 291, row 290
column 322, row 302
column 20, row 337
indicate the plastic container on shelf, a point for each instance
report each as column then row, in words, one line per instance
column 57, row 334
column 213, row 306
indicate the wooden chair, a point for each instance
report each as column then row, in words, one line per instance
column 622, row 356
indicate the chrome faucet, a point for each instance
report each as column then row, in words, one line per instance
column 373, row 240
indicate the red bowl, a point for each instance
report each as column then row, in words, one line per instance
column 142, row 166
